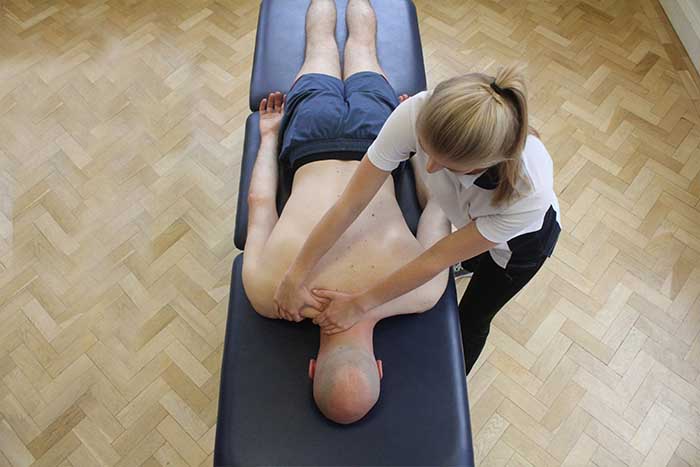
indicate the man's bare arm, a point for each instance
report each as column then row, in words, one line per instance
column 262, row 208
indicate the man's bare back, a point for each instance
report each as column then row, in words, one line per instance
column 377, row 243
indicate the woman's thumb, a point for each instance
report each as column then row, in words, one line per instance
column 322, row 293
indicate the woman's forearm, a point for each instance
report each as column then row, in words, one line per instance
column 405, row 279
column 458, row 246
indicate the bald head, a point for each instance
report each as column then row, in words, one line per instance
column 346, row 384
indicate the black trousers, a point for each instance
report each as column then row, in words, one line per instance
column 490, row 288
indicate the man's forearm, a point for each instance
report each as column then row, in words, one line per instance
column 263, row 182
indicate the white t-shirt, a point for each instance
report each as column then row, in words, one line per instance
column 467, row 198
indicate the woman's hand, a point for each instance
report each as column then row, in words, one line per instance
column 403, row 97
column 343, row 312
column 292, row 296
column 271, row 111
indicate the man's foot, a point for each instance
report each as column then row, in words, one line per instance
column 459, row 271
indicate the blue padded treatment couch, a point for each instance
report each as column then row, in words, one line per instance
column 267, row 415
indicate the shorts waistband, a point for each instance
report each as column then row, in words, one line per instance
column 293, row 155
column 327, row 156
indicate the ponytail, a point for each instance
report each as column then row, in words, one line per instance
column 511, row 80
column 482, row 121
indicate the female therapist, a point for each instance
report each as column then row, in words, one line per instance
column 492, row 177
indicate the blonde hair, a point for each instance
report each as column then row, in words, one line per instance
column 468, row 120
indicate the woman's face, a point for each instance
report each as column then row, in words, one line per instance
column 437, row 162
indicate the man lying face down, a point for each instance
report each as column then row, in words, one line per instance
column 346, row 375
column 319, row 133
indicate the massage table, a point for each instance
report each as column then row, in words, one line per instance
column 267, row 415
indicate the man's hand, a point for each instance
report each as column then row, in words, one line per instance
column 271, row 111
column 291, row 298
column 343, row 312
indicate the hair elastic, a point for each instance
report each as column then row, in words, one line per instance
column 497, row 88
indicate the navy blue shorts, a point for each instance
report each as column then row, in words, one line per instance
column 327, row 118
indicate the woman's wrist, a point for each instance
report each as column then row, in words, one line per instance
column 295, row 274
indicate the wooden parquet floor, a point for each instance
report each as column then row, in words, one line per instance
column 121, row 127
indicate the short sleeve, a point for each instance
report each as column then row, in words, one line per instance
column 500, row 228
column 396, row 140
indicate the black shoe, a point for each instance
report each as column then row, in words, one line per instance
column 459, row 271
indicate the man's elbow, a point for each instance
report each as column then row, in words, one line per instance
column 437, row 285
column 251, row 281
column 260, row 198
column 432, row 292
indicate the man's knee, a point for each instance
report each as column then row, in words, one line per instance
column 362, row 32
column 321, row 16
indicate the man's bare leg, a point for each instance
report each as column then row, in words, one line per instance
column 361, row 45
column 321, row 53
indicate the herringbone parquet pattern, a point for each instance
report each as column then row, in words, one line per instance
column 121, row 127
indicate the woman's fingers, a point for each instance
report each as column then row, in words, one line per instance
column 287, row 314
column 325, row 294
column 310, row 313
column 263, row 106
column 321, row 302
column 322, row 319
column 315, row 303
